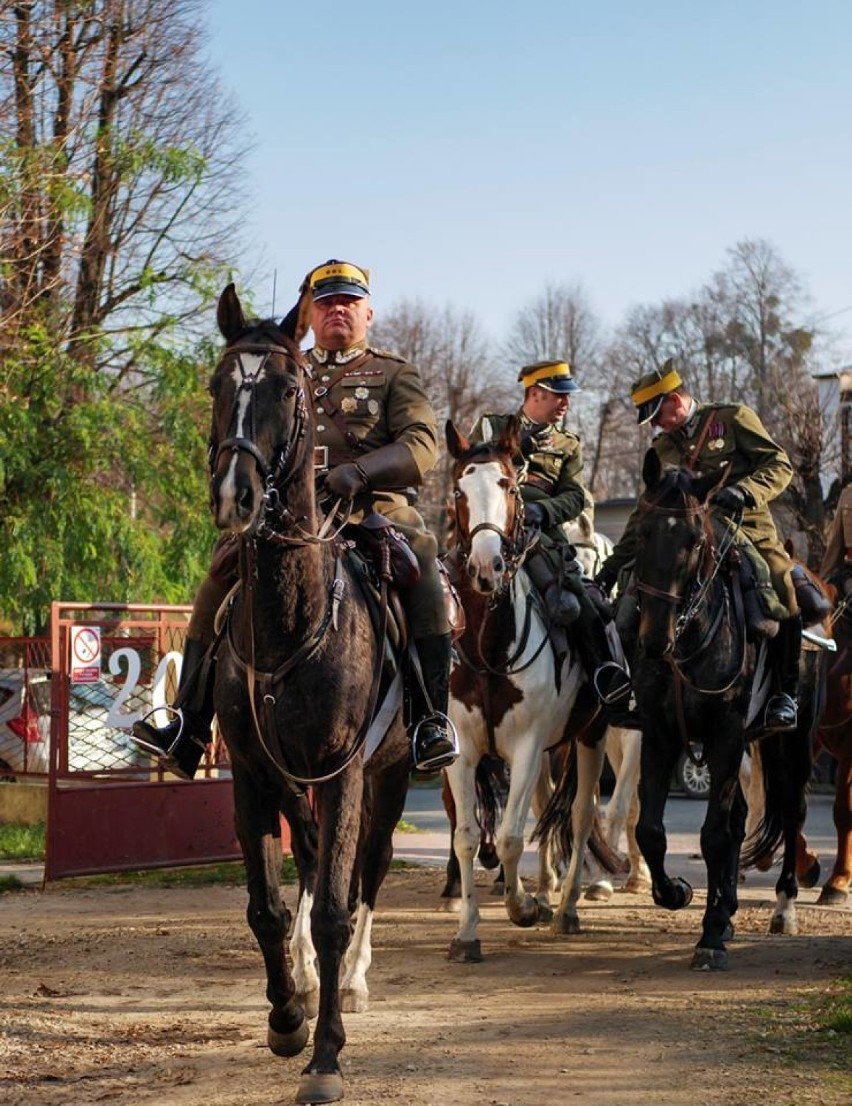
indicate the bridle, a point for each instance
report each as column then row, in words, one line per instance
column 513, row 546
column 287, row 454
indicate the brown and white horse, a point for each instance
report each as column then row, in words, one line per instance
column 507, row 698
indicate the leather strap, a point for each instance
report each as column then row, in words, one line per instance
column 702, row 438
column 322, row 394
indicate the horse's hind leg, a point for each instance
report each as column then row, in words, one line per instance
column 258, row 828
column 836, row 889
column 385, row 811
column 589, row 764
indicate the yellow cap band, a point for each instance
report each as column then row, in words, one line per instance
column 545, row 371
column 341, row 270
column 660, row 387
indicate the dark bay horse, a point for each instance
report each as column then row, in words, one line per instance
column 835, row 736
column 295, row 690
column 698, row 679
column 508, row 698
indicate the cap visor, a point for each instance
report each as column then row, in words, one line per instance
column 562, row 386
column 646, row 411
column 353, row 290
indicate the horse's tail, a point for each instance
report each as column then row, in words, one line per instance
column 785, row 762
column 553, row 829
column 492, row 786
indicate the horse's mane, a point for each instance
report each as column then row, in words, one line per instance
column 264, row 330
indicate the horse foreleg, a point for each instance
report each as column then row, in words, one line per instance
column 589, row 764
column 523, row 909
column 304, row 957
column 451, row 894
column 259, row 832
column 465, row 946
column 658, row 757
column 339, row 806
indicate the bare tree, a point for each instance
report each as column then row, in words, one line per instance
column 119, row 197
column 452, row 354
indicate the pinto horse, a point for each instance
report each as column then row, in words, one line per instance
column 507, row 697
column 697, row 679
column 291, row 713
column 835, row 736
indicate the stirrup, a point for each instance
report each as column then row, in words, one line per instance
column 440, row 760
column 149, row 747
column 620, row 695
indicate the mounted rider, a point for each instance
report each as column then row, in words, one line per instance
column 730, row 439
column 550, row 470
column 376, row 437
column 837, row 560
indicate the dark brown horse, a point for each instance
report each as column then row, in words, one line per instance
column 698, row 679
column 295, row 691
column 835, row 736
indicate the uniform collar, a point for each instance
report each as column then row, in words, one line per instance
column 337, row 356
column 539, row 430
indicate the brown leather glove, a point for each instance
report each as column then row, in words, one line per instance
column 346, row 480
column 389, row 466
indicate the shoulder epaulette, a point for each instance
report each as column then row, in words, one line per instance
column 387, row 353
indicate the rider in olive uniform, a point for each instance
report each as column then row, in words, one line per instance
column 838, row 551
column 550, row 472
column 710, row 438
column 376, row 434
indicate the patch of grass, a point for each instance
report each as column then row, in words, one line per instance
column 816, row 1030
column 228, row 874
column 406, row 827
column 10, row 883
column 18, row 842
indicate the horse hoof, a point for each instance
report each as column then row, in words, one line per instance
column 709, row 960
column 315, row 1086
column 465, row 952
column 810, row 878
column 545, row 913
column 354, row 1002
column 637, row 886
column 565, row 926
column 789, row 927
column 288, row 1044
column 675, row 896
column 599, row 892
column 488, row 858
column 309, row 1001
column 832, row 896
column 728, row 933
column 449, row 906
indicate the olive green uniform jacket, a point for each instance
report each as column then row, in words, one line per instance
column 381, row 399
column 735, row 438
column 550, row 468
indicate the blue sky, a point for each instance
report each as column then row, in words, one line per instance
column 472, row 152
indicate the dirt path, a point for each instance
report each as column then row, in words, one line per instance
column 133, row 996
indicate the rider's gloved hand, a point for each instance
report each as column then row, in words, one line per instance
column 732, row 500
column 534, row 516
column 606, row 578
column 346, row 480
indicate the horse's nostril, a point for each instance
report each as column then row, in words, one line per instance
column 471, row 571
column 498, row 564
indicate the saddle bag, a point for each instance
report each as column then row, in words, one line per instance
column 389, row 550
column 452, row 604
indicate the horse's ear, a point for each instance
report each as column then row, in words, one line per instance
column 586, row 527
column 457, row 443
column 652, row 468
column 510, row 439
column 297, row 321
column 229, row 315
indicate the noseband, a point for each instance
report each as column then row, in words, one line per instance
column 280, row 470
column 512, row 544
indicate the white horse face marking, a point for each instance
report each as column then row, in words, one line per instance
column 484, row 487
column 227, row 515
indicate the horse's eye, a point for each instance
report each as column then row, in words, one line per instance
column 458, row 494
column 290, row 392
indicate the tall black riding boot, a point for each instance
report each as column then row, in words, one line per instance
column 609, row 678
column 179, row 745
column 813, row 605
column 433, row 738
column 782, row 709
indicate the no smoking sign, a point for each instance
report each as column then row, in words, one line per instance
column 85, row 654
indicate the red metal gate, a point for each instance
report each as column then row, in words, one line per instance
column 109, row 809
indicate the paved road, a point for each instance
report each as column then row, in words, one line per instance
column 430, row 845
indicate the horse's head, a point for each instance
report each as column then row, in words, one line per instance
column 674, row 543
column 259, row 424
column 488, row 506
column 592, row 548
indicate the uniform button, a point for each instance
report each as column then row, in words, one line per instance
column 320, row 411
column 320, row 428
column 325, row 378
